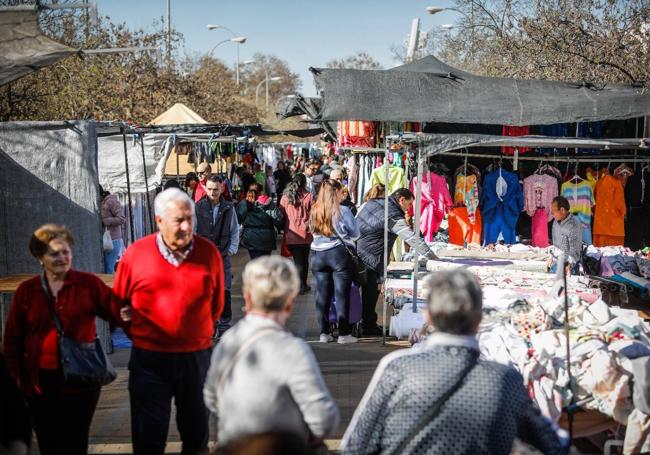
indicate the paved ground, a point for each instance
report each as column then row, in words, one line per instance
column 347, row 371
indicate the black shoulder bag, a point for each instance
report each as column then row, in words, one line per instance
column 360, row 270
column 435, row 409
column 83, row 364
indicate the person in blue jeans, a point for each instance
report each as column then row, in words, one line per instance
column 331, row 263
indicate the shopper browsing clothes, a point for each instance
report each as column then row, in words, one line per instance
column 442, row 398
column 370, row 247
column 567, row 232
column 112, row 219
column 61, row 412
column 170, row 288
column 296, row 205
column 282, row 391
column 331, row 263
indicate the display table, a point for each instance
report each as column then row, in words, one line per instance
column 9, row 283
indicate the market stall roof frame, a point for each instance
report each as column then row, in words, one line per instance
column 429, row 90
column 434, row 144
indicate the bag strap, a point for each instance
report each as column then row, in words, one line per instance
column 345, row 245
column 248, row 343
column 433, row 412
column 50, row 304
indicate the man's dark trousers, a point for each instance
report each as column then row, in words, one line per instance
column 157, row 377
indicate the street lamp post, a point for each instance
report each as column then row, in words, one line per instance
column 266, row 81
column 241, row 41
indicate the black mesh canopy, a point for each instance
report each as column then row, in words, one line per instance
column 429, row 90
column 23, row 48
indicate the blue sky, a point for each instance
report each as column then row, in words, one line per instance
column 303, row 32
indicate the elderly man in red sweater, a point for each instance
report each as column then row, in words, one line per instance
column 169, row 289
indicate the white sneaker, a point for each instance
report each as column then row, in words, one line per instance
column 347, row 339
column 326, row 338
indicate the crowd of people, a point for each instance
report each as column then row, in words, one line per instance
column 171, row 295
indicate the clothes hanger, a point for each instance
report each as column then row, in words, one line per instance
column 575, row 174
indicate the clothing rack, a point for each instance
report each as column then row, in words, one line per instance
column 555, row 158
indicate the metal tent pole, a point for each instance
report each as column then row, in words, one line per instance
column 146, row 184
column 128, row 185
column 386, row 252
column 416, row 228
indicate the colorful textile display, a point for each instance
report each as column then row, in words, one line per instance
column 609, row 225
column 515, row 131
column 501, row 203
column 463, row 229
column 354, row 133
column 435, row 203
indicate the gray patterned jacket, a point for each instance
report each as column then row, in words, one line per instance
column 484, row 416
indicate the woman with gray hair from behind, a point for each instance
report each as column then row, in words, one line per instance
column 261, row 378
column 441, row 398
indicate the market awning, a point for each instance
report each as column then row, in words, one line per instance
column 431, row 91
column 23, row 48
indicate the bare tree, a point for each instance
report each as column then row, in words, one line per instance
column 359, row 61
column 579, row 40
column 255, row 73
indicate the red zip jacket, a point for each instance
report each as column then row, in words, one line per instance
column 173, row 309
column 30, row 327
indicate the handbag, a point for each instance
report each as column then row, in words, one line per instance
column 107, row 241
column 435, row 409
column 360, row 269
column 84, row 364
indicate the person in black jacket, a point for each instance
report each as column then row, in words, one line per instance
column 15, row 428
column 259, row 217
column 217, row 221
column 370, row 247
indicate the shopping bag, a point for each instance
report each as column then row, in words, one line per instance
column 284, row 248
column 107, row 242
column 355, row 307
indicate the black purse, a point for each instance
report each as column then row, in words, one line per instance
column 83, row 364
column 360, row 269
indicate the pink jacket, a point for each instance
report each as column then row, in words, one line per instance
column 296, row 224
column 113, row 216
column 435, row 204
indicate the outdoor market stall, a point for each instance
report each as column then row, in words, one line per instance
column 430, row 91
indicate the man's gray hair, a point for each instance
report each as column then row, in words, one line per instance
column 171, row 195
column 454, row 301
column 271, row 282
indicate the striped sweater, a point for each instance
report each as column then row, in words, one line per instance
column 581, row 199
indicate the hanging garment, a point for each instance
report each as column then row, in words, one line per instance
column 353, row 177
column 637, row 198
column 464, row 230
column 466, row 193
column 434, row 204
column 515, row 131
column 539, row 192
column 539, row 228
column 353, row 133
column 592, row 130
column 557, row 130
column 609, row 226
column 501, row 202
column 396, row 178
column 581, row 200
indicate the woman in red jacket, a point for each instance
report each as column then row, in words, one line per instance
column 61, row 414
column 296, row 205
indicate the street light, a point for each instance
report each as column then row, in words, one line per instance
column 235, row 39
column 265, row 81
column 435, row 9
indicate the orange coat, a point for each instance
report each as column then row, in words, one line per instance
column 610, row 207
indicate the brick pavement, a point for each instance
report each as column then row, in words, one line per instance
column 347, row 371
